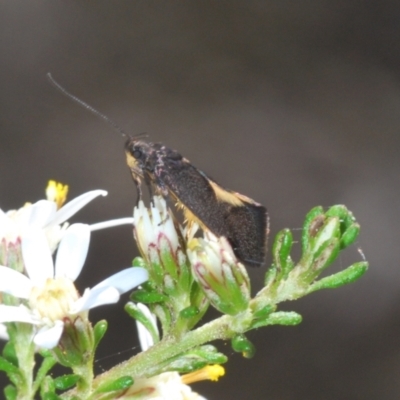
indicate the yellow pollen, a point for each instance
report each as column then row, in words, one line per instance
column 57, row 192
column 211, row 372
column 54, row 299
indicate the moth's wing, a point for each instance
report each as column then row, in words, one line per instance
column 193, row 191
column 225, row 213
column 248, row 228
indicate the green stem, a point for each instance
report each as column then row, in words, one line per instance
column 146, row 363
column 25, row 351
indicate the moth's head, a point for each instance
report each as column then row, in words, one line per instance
column 138, row 154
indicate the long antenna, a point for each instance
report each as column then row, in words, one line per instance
column 85, row 105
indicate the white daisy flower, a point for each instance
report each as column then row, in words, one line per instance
column 48, row 289
column 48, row 215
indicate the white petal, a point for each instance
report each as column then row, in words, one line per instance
column 37, row 256
column 41, row 213
column 3, row 332
column 72, row 251
column 111, row 223
column 16, row 314
column 126, row 279
column 96, row 297
column 145, row 338
column 75, row 205
column 156, row 216
column 15, row 283
column 47, row 338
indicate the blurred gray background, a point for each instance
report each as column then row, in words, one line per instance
column 295, row 104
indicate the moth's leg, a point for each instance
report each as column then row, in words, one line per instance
column 138, row 184
column 147, row 181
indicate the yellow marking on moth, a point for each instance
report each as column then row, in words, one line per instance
column 235, row 199
column 133, row 165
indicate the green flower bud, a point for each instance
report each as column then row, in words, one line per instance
column 223, row 279
column 160, row 244
column 77, row 342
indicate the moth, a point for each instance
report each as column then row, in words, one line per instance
column 240, row 219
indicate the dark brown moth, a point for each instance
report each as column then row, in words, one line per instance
column 223, row 212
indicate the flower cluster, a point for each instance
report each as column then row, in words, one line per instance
column 179, row 275
column 42, row 292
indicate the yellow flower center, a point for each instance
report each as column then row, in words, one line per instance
column 54, row 299
column 210, row 372
column 57, row 192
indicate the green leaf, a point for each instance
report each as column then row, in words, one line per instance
column 133, row 310
column 11, row 370
column 350, row 235
column 47, row 363
column 9, row 353
column 264, row 312
column 51, row 396
column 281, row 253
column 242, row 345
column 349, row 275
column 314, row 218
column 144, row 296
column 325, row 256
column 66, row 381
column 10, row 392
column 189, row 312
column 195, row 359
column 287, row 318
column 123, row 383
column 99, row 331
column 139, row 262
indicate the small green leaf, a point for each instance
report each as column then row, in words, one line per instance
column 51, row 396
column 11, row 370
column 10, row 392
column 325, row 256
column 350, row 235
column 139, row 262
column 329, row 230
column 144, row 296
column 287, row 318
column 122, row 383
column 189, row 312
column 349, row 275
column 312, row 218
column 264, row 312
column 66, row 381
column 281, row 253
column 345, row 216
column 99, row 331
column 134, row 311
column 47, row 363
column 9, row 353
column 243, row 345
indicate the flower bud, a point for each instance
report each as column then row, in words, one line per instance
column 222, row 277
column 160, row 245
